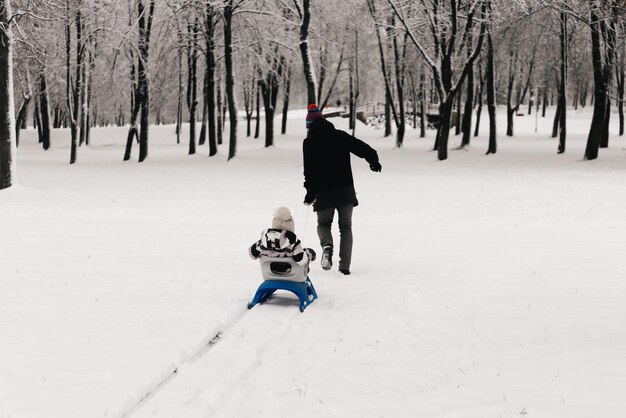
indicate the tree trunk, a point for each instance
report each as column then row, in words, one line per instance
column 469, row 105
column 141, row 97
column 91, row 71
column 192, row 66
column 597, row 125
column 457, row 119
column 509, row 93
column 620, row 98
column 230, row 78
column 443, row 133
column 248, row 102
column 491, row 96
column 257, row 126
column 37, row 119
column 388, row 104
column 202, row 138
column 83, row 101
column 351, row 107
column 601, row 76
column 210, row 23
column 557, row 119
column 322, row 58
column 44, row 111
column 619, row 78
column 219, row 126
column 145, row 30
column 309, row 74
column 604, row 139
column 22, row 114
column 78, row 86
column 413, row 101
column 179, row 106
column 399, row 70
column 24, row 123
column 509, row 119
column 562, row 86
column 7, row 107
column 479, row 99
column 133, row 133
column 68, row 91
column 422, row 107
column 267, row 92
column 56, row 121
column 283, row 128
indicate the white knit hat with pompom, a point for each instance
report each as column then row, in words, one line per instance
column 283, row 219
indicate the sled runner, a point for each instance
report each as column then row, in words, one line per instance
column 280, row 273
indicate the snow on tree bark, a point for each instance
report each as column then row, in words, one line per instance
column 7, row 106
column 229, row 9
column 309, row 73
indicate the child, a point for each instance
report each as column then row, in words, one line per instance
column 280, row 240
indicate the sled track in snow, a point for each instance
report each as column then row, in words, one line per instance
column 171, row 373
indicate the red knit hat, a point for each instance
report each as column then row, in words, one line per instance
column 312, row 114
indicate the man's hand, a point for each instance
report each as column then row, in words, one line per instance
column 376, row 167
column 309, row 199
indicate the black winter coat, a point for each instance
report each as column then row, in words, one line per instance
column 327, row 169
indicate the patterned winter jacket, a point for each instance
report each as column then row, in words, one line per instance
column 280, row 243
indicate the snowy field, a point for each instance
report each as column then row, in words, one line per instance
column 481, row 286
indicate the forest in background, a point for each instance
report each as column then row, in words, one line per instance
column 78, row 64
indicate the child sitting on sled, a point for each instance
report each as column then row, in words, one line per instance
column 280, row 240
column 280, row 243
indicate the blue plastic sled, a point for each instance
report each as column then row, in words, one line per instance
column 284, row 274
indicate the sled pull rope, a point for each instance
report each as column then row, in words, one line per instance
column 306, row 220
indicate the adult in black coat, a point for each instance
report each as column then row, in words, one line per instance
column 329, row 183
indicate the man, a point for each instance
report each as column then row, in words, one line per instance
column 329, row 183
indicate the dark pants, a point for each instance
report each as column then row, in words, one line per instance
column 324, row 223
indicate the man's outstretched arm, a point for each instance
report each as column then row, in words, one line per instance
column 363, row 150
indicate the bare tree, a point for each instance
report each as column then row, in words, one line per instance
column 491, row 95
column 603, row 17
column 269, row 84
column 249, row 89
column 192, row 81
column 230, row 7
column 448, row 30
column 304, row 13
column 44, row 109
column 210, row 23
column 286, row 96
column 141, row 92
column 71, row 99
column 619, row 79
column 7, row 108
column 563, row 83
column 514, row 76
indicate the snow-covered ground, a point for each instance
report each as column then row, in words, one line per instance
column 482, row 286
